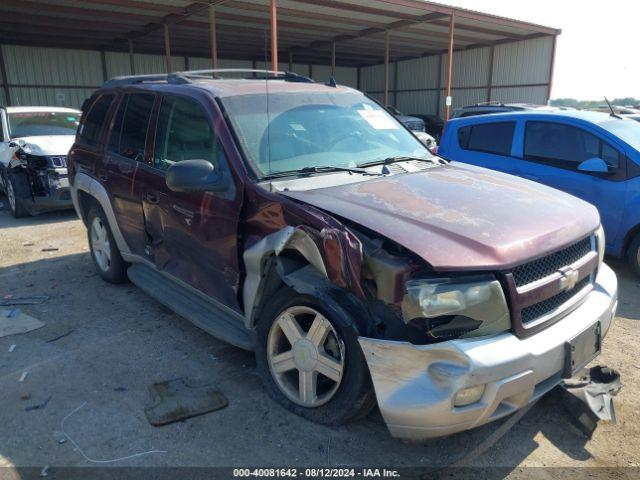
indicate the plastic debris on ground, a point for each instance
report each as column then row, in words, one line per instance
column 179, row 399
column 10, row 300
column 588, row 397
column 13, row 322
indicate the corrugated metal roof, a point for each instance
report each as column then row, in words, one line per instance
column 305, row 27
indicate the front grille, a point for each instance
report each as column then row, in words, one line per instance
column 545, row 266
column 539, row 310
column 58, row 161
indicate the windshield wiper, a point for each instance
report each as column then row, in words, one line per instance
column 390, row 160
column 310, row 170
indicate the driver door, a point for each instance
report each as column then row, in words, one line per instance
column 192, row 235
column 552, row 154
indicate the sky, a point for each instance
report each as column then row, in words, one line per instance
column 597, row 52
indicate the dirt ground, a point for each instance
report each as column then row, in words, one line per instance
column 104, row 345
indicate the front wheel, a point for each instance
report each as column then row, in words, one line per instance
column 633, row 254
column 311, row 362
column 17, row 190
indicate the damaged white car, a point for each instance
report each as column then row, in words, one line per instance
column 34, row 142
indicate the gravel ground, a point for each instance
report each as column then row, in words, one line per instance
column 115, row 341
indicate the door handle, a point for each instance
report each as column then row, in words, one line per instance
column 183, row 211
column 152, row 197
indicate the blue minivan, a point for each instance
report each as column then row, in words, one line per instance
column 592, row 155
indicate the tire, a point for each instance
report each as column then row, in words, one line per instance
column 17, row 190
column 104, row 251
column 334, row 402
column 633, row 254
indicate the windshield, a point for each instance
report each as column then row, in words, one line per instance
column 36, row 124
column 317, row 129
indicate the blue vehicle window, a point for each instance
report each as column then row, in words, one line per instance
column 495, row 138
column 565, row 146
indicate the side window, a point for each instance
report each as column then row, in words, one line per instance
column 495, row 138
column 92, row 124
column 184, row 133
column 116, row 129
column 134, row 125
column 565, row 146
column 611, row 156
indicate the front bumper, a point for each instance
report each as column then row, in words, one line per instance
column 415, row 384
column 59, row 194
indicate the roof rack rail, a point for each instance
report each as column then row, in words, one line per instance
column 254, row 74
column 174, row 78
column 178, row 78
column 486, row 104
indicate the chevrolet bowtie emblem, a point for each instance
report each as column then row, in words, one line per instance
column 569, row 278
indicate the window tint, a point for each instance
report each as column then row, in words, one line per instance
column 134, row 125
column 92, row 124
column 183, row 133
column 610, row 155
column 565, row 146
column 495, row 138
column 116, row 129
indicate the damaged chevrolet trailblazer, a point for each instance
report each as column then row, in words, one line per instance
column 304, row 222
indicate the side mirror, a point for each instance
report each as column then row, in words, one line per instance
column 195, row 176
column 426, row 139
column 594, row 165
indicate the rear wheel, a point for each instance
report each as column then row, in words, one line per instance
column 17, row 190
column 633, row 254
column 310, row 362
column 104, row 251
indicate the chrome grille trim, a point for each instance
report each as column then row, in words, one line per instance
column 544, row 290
column 548, row 265
column 547, row 308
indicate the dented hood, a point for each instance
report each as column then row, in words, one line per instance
column 46, row 144
column 460, row 217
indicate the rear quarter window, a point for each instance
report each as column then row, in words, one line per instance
column 94, row 119
column 495, row 138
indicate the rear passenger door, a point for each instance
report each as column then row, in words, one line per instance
column 193, row 235
column 124, row 154
column 86, row 152
column 552, row 152
column 489, row 145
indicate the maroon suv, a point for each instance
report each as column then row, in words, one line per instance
column 306, row 223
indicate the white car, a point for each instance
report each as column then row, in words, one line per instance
column 34, row 143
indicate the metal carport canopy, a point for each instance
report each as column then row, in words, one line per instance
column 351, row 33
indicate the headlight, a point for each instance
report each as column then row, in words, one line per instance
column 600, row 244
column 457, row 307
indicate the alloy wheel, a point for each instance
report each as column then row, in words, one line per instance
column 306, row 356
column 100, row 244
column 11, row 196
